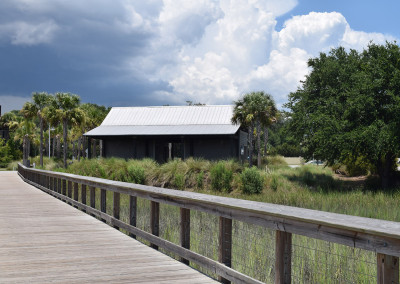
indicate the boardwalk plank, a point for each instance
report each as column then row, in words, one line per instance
column 44, row 240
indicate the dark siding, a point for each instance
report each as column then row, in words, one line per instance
column 214, row 148
column 121, row 147
column 207, row 147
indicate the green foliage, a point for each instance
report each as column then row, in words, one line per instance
column 221, row 177
column 274, row 184
column 287, row 150
column 8, row 152
column 252, row 181
column 349, row 105
column 179, row 181
column 200, row 180
column 358, row 166
column 5, row 154
column 136, row 174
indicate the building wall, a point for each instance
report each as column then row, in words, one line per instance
column 121, row 147
column 207, row 147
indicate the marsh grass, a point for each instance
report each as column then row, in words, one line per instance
column 313, row 261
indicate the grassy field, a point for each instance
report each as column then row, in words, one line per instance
column 312, row 187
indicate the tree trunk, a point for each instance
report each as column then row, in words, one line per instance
column 24, row 150
column 265, row 140
column 41, row 141
column 251, row 132
column 85, row 143
column 79, row 148
column 101, row 148
column 58, row 146
column 94, row 148
column 258, row 145
column 54, row 145
column 65, row 129
column 73, row 150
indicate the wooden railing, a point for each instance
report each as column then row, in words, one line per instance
column 381, row 237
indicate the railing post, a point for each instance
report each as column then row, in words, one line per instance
column 225, row 244
column 132, row 213
column 92, row 197
column 103, row 202
column 70, row 189
column 76, row 192
column 185, row 231
column 116, row 206
column 64, row 187
column 155, row 220
column 83, row 194
column 283, row 257
column 388, row 269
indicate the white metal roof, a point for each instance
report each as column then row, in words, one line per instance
column 167, row 120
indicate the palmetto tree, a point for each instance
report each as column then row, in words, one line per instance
column 255, row 109
column 66, row 109
column 35, row 109
column 24, row 132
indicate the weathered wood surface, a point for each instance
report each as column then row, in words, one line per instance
column 365, row 233
column 43, row 239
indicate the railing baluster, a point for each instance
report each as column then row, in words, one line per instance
column 116, row 207
column 70, row 189
column 387, row 268
column 83, row 194
column 64, row 187
column 76, row 192
column 92, row 197
column 59, row 189
column 132, row 212
column 185, row 231
column 283, row 257
column 103, row 201
column 155, row 220
column 225, row 244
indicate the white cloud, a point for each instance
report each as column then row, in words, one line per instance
column 9, row 103
column 241, row 51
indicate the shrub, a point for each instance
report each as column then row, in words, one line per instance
column 252, row 181
column 200, row 180
column 221, row 177
column 274, row 183
column 136, row 174
column 179, row 181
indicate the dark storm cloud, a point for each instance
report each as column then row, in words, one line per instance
column 81, row 47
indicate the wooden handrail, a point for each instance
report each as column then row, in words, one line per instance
column 382, row 237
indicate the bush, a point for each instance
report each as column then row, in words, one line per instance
column 200, row 180
column 221, row 177
column 179, row 181
column 136, row 174
column 357, row 167
column 274, row 183
column 252, row 181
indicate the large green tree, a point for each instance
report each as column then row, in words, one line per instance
column 348, row 107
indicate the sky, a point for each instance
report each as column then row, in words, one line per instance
column 157, row 52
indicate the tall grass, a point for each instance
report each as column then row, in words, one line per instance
column 312, row 187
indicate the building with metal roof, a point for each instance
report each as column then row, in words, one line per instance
column 171, row 132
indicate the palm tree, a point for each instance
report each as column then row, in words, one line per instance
column 255, row 109
column 66, row 108
column 35, row 108
column 24, row 131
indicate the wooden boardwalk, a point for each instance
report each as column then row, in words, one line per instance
column 43, row 240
